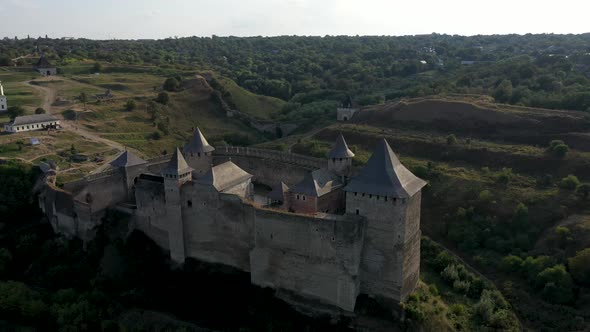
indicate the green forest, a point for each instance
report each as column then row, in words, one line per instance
column 548, row 71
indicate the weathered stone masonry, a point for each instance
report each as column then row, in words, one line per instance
column 193, row 209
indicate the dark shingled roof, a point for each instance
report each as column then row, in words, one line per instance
column 318, row 183
column 385, row 175
column 197, row 144
column 224, row 176
column 43, row 63
column 177, row 165
column 37, row 118
column 278, row 192
column 127, row 159
column 340, row 149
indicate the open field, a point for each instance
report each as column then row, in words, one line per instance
column 56, row 146
column 109, row 119
column 16, row 89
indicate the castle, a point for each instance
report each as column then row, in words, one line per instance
column 326, row 231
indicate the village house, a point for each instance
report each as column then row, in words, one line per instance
column 45, row 68
column 32, row 122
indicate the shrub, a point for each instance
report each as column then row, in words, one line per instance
column 451, row 139
column 15, row 111
column 40, row 110
column 155, row 135
column 443, row 260
column 97, row 67
column 569, row 182
column 504, row 176
column 69, row 114
column 461, row 286
column 163, row 98
column 558, row 148
column 556, row 284
column 532, row 266
column 171, row 84
column 485, row 196
column 511, row 263
column 130, row 105
column 583, row 190
column 580, row 266
column 450, row 274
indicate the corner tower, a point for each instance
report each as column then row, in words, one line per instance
column 389, row 196
column 175, row 174
column 340, row 157
column 131, row 166
column 199, row 153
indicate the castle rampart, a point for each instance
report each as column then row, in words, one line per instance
column 369, row 242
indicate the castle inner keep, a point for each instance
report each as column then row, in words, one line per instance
column 326, row 231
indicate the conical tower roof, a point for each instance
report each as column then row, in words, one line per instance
column 340, row 149
column 198, row 144
column 385, row 175
column 127, row 159
column 177, row 165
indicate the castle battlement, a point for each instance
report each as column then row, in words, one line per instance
column 321, row 233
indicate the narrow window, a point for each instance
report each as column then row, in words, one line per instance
column 363, row 195
column 189, row 203
column 198, row 154
column 386, row 198
column 297, row 196
column 355, row 194
column 357, row 211
column 303, row 197
column 370, row 196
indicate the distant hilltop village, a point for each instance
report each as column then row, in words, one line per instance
column 326, row 232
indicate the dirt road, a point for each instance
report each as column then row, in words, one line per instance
column 49, row 94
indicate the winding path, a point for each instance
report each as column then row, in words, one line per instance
column 48, row 98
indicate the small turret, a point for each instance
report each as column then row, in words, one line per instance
column 199, row 153
column 340, row 157
column 131, row 166
column 177, row 170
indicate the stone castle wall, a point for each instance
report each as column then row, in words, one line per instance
column 312, row 256
column 327, row 257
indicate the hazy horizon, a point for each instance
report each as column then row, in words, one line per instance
column 150, row 19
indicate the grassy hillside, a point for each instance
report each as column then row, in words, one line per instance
column 258, row 106
column 477, row 117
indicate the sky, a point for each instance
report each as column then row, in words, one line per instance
column 155, row 19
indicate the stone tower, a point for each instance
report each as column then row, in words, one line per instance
column 340, row 157
column 131, row 166
column 199, row 153
column 175, row 174
column 388, row 195
column 3, row 102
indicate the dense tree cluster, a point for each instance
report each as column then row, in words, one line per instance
column 535, row 70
